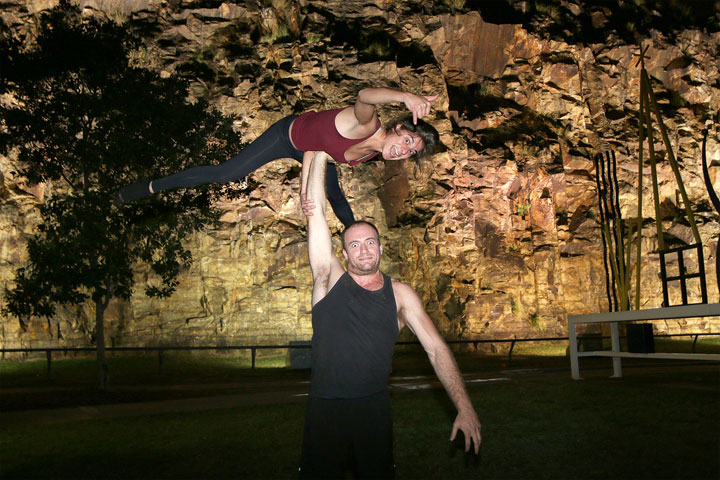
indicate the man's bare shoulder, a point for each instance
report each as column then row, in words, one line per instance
column 402, row 291
column 398, row 284
column 409, row 307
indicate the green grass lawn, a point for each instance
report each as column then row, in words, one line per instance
column 661, row 420
column 654, row 423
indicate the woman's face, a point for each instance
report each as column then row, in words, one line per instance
column 400, row 144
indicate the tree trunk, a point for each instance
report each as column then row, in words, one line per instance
column 100, row 343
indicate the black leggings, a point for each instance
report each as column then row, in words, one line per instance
column 273, row 144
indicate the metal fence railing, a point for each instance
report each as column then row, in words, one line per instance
column 300, row 345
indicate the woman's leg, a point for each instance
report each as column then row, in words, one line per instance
column 335, row 196
column 269, row 146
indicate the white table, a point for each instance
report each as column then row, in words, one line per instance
column 613, row 318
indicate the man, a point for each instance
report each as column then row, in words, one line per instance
column 357, row 316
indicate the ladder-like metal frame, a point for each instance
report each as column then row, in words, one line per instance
column 683, row 275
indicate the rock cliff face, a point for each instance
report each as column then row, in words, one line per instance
column 499, row 234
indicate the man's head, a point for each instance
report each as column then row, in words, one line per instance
column 405, row 139
column 362, row 248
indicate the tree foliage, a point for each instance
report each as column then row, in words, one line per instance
column 77, row 114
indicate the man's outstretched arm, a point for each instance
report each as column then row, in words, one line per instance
column 326, row 267
column 412, row 313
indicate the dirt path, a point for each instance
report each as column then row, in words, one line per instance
column 253, row 392
column 286, row 389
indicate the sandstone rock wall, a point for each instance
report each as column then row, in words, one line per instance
column 499, row 234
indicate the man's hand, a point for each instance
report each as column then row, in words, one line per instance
column 419, row 106
column 307, row 205
column 470, row 425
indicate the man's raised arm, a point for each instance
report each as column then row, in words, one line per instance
column 326, row 268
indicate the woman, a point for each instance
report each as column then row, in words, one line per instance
column 350, row 135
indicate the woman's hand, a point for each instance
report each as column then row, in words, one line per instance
column 419, row 106
column 307, row 205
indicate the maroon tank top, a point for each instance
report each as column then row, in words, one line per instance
column 315, row 131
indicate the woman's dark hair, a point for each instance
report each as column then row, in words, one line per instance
column 424, row 130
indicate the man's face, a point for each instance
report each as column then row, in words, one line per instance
column 362, row 249
column 400, row 144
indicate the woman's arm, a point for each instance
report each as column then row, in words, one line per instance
column 367, row 98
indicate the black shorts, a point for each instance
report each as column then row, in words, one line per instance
column 348, row 434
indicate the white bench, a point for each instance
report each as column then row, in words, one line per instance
column 613, row 318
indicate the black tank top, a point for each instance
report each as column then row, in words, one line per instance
column 354, row 333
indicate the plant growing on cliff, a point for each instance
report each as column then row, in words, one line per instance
column 80, row 117
column 534, row 320
column 522, row 209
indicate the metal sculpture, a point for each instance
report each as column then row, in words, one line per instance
column 617, row 234
column 715, row 202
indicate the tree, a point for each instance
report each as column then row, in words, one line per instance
column 86, row 120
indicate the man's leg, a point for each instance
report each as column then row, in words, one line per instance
column 326, row 448
column 373, row 437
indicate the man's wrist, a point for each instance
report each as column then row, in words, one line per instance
column 465, row 407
